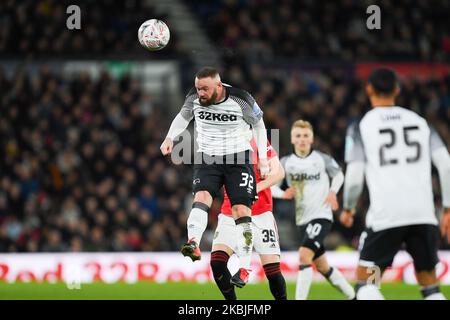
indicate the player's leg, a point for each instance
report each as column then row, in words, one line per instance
column 196, row 224
column 422, row 245
column 305, row 273
column 267, row 245
column 240, row 185
column 277, row 283
column 365, row 287
column 207, row 181
column 429, row 285
column 377, row 251
column 312, row 236
column 334, row 276
column 244, row 243
column 223, row 246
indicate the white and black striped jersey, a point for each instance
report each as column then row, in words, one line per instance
column 396, row 146
column 225, row 127
column 310, row 176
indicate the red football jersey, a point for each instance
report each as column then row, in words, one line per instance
column 264, row 202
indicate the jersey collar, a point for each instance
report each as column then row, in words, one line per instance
column 310, row 151
column 227, row 94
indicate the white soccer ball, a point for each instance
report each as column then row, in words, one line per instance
column 154, row 34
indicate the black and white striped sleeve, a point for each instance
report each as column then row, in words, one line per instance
column 251, row 111
column 187, row 111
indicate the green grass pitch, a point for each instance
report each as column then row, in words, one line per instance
column 183, row 291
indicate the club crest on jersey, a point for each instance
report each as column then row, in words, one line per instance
column 304, row 176
column 204, row 115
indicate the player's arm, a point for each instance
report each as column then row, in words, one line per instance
column 441, row 160
column 354, row 184
column 354, row 176
column 276, row 175
column 260, row 133
column 334, row 171
column 277, row 189
column 180, row 123
column 253, row 115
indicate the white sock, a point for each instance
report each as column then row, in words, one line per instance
column 244, row 235
column 196, row 224
column 369, row 292
column 436, row 296
column 304, row 279
column 338, row 280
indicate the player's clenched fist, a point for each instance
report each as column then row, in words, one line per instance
column 289, row 193
column 346, row 218
column 166, row 146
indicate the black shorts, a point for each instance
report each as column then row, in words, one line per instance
column 312, row 235
column 238, row 177
column 420, row 241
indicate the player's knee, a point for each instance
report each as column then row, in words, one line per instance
column 305, row 260
column 324, row 270
column 240, row 210
column 203, row 196
column 306, row 256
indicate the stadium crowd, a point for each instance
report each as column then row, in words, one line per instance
column 264, row 30
column 81, row 168
column 108, row 30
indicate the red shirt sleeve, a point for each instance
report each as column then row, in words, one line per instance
column 271, row 152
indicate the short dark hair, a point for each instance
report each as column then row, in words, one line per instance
column 384, row 81
column 206, row 72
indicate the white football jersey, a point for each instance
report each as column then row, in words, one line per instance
column 310, row 177
column 225, row 127
column 396, row 146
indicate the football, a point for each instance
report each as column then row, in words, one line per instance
column 154, row 34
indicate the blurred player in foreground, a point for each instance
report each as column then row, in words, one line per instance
column 394, row 147
column 307, row 176
column 266, row 241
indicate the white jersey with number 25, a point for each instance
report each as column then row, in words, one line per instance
column 396, row 146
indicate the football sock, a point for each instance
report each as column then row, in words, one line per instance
column 335, row 277
column 432, row 293
column 222, row 276
column 197, row 221
column 367, row 292
column 304, row 279
column 277, row 283
column 244, row 241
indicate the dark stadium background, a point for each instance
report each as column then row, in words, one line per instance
column 80, row 167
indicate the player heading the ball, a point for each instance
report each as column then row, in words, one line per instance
column 224, row 118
